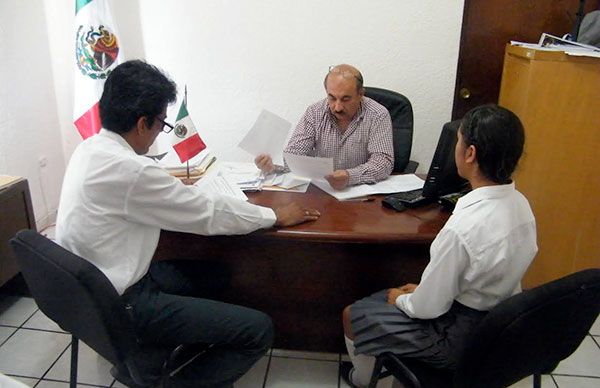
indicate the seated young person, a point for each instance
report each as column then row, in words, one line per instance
column 477, row 259
column 354, row 130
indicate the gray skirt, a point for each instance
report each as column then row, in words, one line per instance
column 380, row 327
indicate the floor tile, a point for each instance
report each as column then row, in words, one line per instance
column 306, row 355
column 14, row 310
column 53, row 384
column 527, row 382
column 255, row 377
column 16, row 382
column 5, row 332
column 30, row 353
column 27, row 381
column 595, row 330
column 299, row 373
column 117, row 384
column 388, row 382
column 49, row 232
column 576, row 382
column 39, row 320
column 91, row 367
column 585, row 361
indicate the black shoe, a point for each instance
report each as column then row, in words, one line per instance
column 345, row 370
column 121, row 374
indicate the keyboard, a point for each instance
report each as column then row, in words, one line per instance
column 411, row 199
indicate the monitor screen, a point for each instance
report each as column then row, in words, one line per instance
column 443, row 177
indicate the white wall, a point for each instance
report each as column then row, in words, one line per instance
column 236, row 57
column 29, row 128
column 239, row 57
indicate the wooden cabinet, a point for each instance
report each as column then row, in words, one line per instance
column 557, row 97
column 16, row 213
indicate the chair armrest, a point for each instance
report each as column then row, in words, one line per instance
column 411, row 167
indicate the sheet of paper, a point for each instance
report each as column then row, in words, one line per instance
column 308, row 166
column 393, row 184
column 267, row 136
column 296, row 189
column 221, row 184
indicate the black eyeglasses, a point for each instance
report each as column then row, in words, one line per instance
column 167, row 124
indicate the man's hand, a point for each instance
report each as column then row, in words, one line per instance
column 294, row 214
column 408, row 288
column 394, row 293
column 264, row 163
column 339, row 179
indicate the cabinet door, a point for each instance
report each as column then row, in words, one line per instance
column 556, row 96
column 16, row 213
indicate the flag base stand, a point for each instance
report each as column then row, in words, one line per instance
column 189, row 181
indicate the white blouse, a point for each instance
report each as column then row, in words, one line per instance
column 479, row 257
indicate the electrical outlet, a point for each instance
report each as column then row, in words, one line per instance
column 42, row 161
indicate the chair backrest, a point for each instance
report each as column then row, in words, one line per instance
column 402, row 122
column 75, row 294
column 530, row 333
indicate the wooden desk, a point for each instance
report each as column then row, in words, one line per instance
column 304, row 276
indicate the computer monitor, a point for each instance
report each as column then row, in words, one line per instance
column 443, row 177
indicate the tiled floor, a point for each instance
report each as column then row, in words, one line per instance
column 34, row 350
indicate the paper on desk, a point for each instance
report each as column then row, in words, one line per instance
column 267, row 136
column 308, row 166
column 222, row 184
column 285, row 182
column 393, row 184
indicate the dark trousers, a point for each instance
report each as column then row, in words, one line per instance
column 172, row 305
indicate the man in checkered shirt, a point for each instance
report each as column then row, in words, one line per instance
column 352, row 129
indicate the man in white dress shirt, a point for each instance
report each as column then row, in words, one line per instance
column 113, row 205
column 477, row 259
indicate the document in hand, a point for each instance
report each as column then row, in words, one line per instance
column 267, row 136
column 309, row 166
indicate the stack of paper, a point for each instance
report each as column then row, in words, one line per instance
column 246, row 175
column 221, row 184
column 198, row 164
column 549, row 42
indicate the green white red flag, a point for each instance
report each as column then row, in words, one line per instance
column 186, row 141
column 97, row 52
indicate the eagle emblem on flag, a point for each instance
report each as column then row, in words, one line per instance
column 96, row 49
column 180, row 130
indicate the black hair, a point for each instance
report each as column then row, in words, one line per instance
column 132, row 90
column 498, row 137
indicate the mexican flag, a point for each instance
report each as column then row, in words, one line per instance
column 97, row 52
column 185, row 140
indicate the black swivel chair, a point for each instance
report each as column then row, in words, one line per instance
column 402, row 124
column 81, row 300
column 527, row 334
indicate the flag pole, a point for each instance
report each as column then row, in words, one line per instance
column 188, row 161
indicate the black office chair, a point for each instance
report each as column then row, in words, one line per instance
column 527, row 334
column 402, row 124
column 81, row 300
